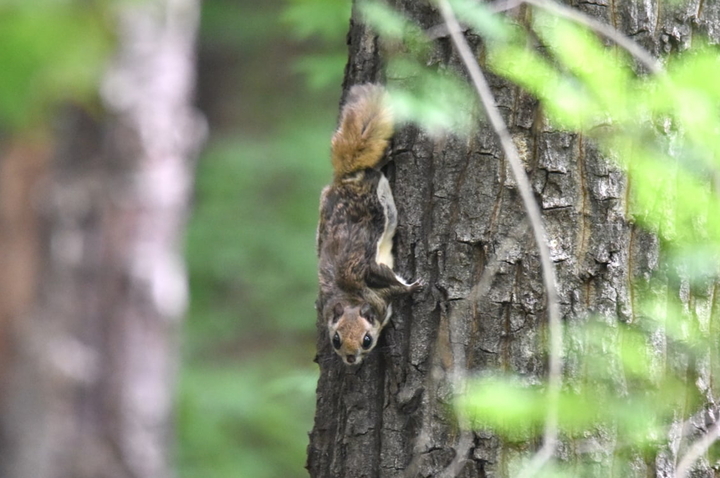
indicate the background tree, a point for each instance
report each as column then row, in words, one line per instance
column 93, row 211
column 246, row 389
column 462, row 223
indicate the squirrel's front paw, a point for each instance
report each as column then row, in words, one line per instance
column 416, row 286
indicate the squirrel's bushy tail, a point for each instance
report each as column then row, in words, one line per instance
column 366, row 125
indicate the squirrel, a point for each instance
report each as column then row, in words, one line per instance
column 356, row 228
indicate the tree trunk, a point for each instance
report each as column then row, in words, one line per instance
column 93, row 277
column 459, row 215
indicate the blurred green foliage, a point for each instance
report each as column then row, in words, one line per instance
column 632, row 378
column 50, row 52
column 326, row 22
column 270, row 75
column 246, row 392
column 250, row 420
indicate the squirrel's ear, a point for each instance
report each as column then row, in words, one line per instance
column 367, row 312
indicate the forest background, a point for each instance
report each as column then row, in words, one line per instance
column 269, row 82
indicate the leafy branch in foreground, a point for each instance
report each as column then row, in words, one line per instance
column 533, row 211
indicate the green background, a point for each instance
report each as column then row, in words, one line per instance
column 269, row 82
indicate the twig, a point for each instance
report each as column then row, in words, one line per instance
column 459, row 385
column 504, row 5
column 696, row 450
column 441, row 30
column 607, row 31
column 533, row 212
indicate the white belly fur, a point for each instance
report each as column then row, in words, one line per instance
column 384, row 245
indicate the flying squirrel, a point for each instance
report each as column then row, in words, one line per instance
column 355, row 233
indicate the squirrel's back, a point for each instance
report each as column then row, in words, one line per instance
column 366, row 125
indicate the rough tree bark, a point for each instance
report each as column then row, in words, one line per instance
column 460, row 211
column 92, row 273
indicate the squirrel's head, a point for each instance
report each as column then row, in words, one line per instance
column 353, row 330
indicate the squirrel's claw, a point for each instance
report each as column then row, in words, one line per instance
column 416, row 286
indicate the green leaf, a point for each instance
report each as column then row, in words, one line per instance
column 565, row 100
column 438, row 101
column 387, row 21
column 603, row 72
column 503, row 404
column 667, row 197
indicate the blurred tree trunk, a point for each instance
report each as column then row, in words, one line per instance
column 92, row 273
column 459, row 213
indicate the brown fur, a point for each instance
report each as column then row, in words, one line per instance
column 357, row 217
column 352, row 329
column 366, row 125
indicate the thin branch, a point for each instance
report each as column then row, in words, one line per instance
column 504, row 5
column 605, row 30
column 533, row 212
column 458, row 381
column 696, row 450
column 459, row 385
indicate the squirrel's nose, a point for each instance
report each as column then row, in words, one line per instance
column 350, row 358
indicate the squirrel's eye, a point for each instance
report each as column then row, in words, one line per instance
column 336, row 341
column 367, row 341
